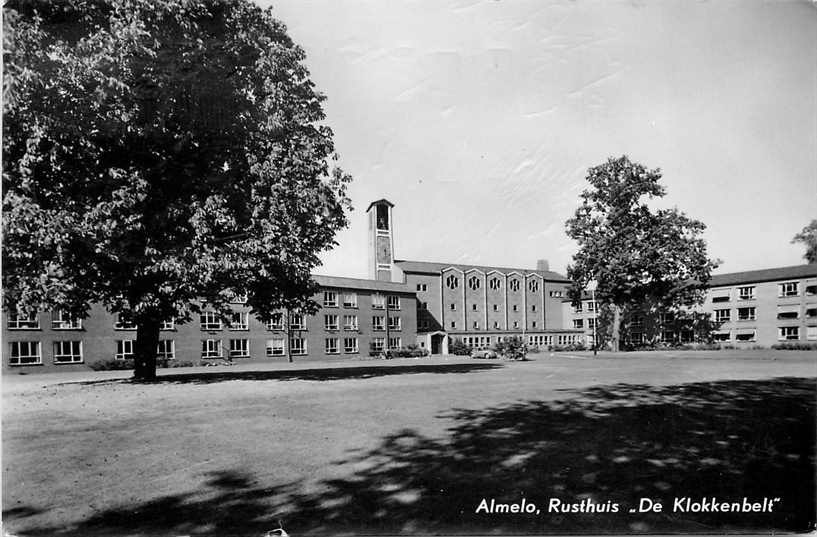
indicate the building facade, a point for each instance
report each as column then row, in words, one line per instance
column 752, row 308
column 477, row 305
column 356, row 317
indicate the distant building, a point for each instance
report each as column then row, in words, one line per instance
column 757, row 307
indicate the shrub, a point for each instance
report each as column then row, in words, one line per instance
column 111, row 365
column 513, row 348
column 795, row 346
column 459, row 348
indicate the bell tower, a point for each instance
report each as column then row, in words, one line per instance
column 381, row 240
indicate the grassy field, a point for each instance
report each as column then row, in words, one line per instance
column 413, row 446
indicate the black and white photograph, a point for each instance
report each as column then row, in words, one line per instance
column 413, row 267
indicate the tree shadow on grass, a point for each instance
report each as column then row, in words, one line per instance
column 322, row 374
column 618, row 443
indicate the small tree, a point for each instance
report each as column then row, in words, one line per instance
column 159, row 156
column 513, row 348
column 633, row 253
column 808, row 236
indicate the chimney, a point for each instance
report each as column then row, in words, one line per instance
column 542, row 264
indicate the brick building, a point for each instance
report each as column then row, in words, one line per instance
column 756, row 307
column 355, row 316
column 478, row 305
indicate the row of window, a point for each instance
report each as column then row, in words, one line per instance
column 480, row 342
column 330, row 300
column 785, row 289
column 477, row 326
column 591, row 307
column 474, row 283
column 749, row 314
column 579, row 323
column 70, row 352
column 475, row 307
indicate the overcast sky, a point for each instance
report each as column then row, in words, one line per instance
column 479, row 119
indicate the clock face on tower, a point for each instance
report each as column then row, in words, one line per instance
column 383, row 250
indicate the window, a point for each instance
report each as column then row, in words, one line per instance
column 514, row 284
column 720, row 295
column 637, row 322
column 168, row 325
column 378, row 322
column 494, row 284
column 788, row 289
column 350, row 300
column 124, row 322
column 476, row 325
column 422, row 324
column 591, row 306
column 330, row 322
column 533, row 324
column 811, row 333
column 350, row 322
column 722, row 316
column 394, row 323
column 452, row 282
column 378, row 344
column 276, row 322
column 577, row 309
column 516, row 324
column 721, row 336
column 25, row 353
column 211, row 348
column 636, row 338
column 296, row 322
column 811, row 312
column 746, row 314
column 556, row 294
column 496, row 324
column 667, row 336
column 533, row 286
column 423, row 305
column 533, row 307
column 239, row 321
column 394, row 302
column 453, row 307
column 350, row 345
column 124, row 349
column 473, row 307
column 331, row 345
column 378, row 302
column 61, row 320
column 26, row 321
column 209, row 321
column 67, row 352
column 579, row 323
column 166, row 350
column 453, row 324
column 811, row 290
column 239, row 298
column 788, row 332
column 394, row 343
column 297, row 345
column 745, row 335
column 496, row 307
column 239, row 348
column 275, row 346
column 474, row 283
column 687, row 336
column 591, row 323
column 667, row 317
column 330, row 299
column 420, row 287
column 788, row 312
column 746, row 293
column 516, row 307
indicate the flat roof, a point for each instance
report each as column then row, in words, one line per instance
column 429, row 267
column 358, row 283
column 764, row 275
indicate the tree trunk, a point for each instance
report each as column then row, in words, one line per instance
column 145, row 347
column 616, row 335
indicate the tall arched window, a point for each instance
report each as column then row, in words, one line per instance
column 474, row 283
column 452, row 282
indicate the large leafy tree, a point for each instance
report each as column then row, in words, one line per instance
column 159, row 157
column 808, row 236
column 635, row 254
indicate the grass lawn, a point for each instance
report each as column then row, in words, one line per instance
column 413, row 446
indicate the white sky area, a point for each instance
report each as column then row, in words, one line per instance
column 479, row 119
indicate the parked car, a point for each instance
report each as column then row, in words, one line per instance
column 483, row 353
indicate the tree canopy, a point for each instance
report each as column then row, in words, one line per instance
column 808, row 236
column 161, row 155
column 636, row 255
